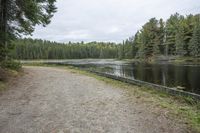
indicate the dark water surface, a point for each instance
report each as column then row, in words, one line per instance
column 186, row 77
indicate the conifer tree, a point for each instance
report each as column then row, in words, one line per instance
column 194, row 46
column 180, row 41
column 19, row 17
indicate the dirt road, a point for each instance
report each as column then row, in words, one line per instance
column 53, row 100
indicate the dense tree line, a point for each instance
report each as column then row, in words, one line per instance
column 179, row 35
column 41, row 49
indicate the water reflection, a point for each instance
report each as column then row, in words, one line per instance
column 185, row 77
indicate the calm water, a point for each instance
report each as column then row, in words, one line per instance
column 184, row 76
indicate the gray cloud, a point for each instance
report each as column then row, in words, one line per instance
column 108, row 20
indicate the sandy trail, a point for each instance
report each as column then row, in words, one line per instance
column 53, row 100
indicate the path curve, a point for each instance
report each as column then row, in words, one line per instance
column 53, row 100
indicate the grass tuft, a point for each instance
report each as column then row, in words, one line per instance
column 2, row 86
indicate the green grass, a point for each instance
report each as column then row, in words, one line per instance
column 175, row 60
column 7, row 76
column 11, row 65
column 180, row 60
column 181, row 108
column 2, row 86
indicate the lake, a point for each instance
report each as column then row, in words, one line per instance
column 186, row 77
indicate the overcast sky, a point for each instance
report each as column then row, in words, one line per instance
column 108, row 20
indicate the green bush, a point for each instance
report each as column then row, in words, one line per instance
column 11, row 64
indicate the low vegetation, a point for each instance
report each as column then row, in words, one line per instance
column 8, row 69
column 2, row 86
column 11, row 64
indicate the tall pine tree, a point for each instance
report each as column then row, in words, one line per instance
column 180, row 39
column 195, row 41
column 19, row 17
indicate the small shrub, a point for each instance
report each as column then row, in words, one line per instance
column 11, row 64
column 2, row 86
column 3, row 75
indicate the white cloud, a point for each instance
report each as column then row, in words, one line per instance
column 108, row 20
column 113, row 29
column 80, row 34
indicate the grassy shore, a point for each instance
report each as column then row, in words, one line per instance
column 187, row 60
column 2, row 86
column 6, row 76
column 170, row 59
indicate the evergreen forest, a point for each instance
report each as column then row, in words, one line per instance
column 177, row 36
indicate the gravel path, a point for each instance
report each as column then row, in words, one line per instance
column 53, row 100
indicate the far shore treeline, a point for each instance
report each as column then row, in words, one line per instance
column 178, row 36
column 40, row 49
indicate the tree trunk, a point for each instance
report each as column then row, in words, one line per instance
column 3, row 30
